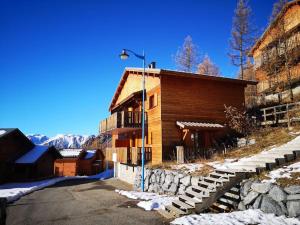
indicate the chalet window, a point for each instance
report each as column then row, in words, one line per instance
column 152, row 101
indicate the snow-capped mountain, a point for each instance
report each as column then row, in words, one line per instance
column 61, row 141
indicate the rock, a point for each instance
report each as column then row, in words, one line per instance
column 241, row 206
column 257, row 202
column 165, row 187
column 181, row 189
column 277, row 194
column 153, row 178
column 251, row 196
column 293, row 197
column 186, row 181
column 151, row 188
column 194, row 181
column 162, row 178
column 246, row 187
column 169, row 179
column 262, row 188
column 283, row 208
column 268, row 205
column 176, row 179
column 292, row 190
column 293, row 208
column 173, row 188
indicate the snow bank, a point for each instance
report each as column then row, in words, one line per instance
column 250, row 216
column 284, row 172
column 13, row 191
column 152, row 201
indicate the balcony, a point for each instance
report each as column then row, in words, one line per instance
column 122, row 121
column 129, row 155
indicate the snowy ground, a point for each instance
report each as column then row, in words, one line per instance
column 249, row 216
column 151, row 201
column 13, row 191
column 188, row 167
column 284, row 172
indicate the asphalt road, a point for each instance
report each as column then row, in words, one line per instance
column 80, row 202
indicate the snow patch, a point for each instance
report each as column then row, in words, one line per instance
column 284, row 172
column 2, row 132
column 70, row 152
column 90, row 154
column 188, row 167
column 250, row 216
column 152, row 201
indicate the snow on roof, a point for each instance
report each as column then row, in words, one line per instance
column 72, row 153
column 90, row 154
column 2, row 132
column 33, row 155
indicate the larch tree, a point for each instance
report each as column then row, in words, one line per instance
column 277, row 7
column 187, row 56
column 242, row 35
column 207, row 67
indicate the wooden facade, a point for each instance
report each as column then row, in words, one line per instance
column 268, row 52
column 171, row 96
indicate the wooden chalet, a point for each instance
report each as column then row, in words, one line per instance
column 181, row 109
column 21, row 160
column 281, row 38
column 79, row 162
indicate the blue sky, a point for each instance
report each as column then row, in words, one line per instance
column 59, row 64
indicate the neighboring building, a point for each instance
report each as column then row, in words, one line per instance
column 277, row 54
column 21, row 160
column 79, row 162
column 181, row 109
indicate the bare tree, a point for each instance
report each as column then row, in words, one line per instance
column 207, row 67
column 187, row 56
column 277, row 7
column 242, row 35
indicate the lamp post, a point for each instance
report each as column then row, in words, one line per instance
column 124, row 55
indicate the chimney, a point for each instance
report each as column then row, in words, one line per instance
column 152, row 65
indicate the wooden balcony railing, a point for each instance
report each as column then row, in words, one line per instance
column 122, row 120
column 129, row 155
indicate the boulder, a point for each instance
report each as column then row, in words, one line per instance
column 262, row 188
column 176, row 179
column 153, row 178
column 173, row 188
column 251, row 196
column 181, row 189
column 268, row 205
column 283, row 208
column 246, row 187
column 195, row 181
column 241, row 206
column 293, row 208
column 169, row 179
column 277, row 194
column 162, row 177
column 293, row 197
column 257, row 202
column 186, row 181
column 165, row 187
column 295, row 189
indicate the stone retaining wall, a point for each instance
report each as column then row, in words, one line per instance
column 165, row 181
column 270, row 198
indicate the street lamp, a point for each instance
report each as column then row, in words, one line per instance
column 124, row 55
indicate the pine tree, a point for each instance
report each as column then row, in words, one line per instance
column 242, row 35
column 207, row 67
column 186, row 57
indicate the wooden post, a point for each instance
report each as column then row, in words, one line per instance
column 287, row 115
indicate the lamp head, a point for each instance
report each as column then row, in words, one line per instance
column 124, row 55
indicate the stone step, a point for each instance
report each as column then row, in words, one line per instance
column 235, row 191
column 278, row 160
column 175, row 211
column 183, row 206
column 243, row 168
column 226, row 202
column 232, row 197
column 202, row 190
column 253, row 163
column 166, row 214
column 189, row 200
column 220, row 207
column 208, row 185
column 217, row 175
column 229, row 172
column 287, row 156
column 216, row 180
column 193, row 194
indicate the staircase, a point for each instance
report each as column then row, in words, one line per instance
column 217, row 191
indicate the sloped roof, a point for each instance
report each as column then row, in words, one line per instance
column 164, row 72
column 33, row 155
column 5, row 131
column 190, row 125
column 89, row 154
column 71, row 153
column 272, row 25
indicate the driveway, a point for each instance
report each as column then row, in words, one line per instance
column 82, row 202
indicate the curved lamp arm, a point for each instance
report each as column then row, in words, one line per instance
column 135, row 54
